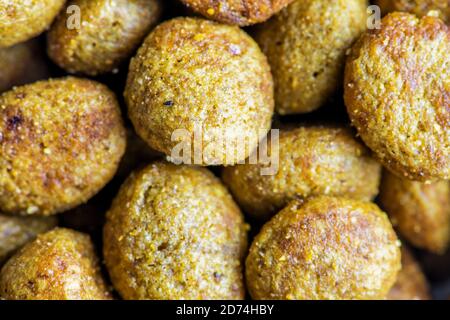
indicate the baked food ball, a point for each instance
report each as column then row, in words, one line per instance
column 312, row 161
column 61, row 142
column 326, row 248
column 418, row 7
column 16, row 231
column 411, row 282
column 109, row 32
column 22, row 20
column 174, row 232
column 206, row 82
column 240, row 12
column 397, row 94
column 420, row 212
column 306, row 44
column 59, row 265
column 20, row 64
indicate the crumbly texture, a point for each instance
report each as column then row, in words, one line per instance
column 420, row 212
column 61, row 142
column 411, row 282
column 314, row 160
column 397, row 92
column 239, row 12
column 418, row 7
column 306, row 44
column 22, row 20
column 327, row 248
column 17, row 231
column 174, row 232
column 110, row 32
column 59, row 265
column 216, row 83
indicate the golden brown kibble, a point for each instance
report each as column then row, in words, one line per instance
column 420, row 212
column 326, row 248
column 239, row 12
column 200, row 76
column 17, row 231
column 22, row 20
column 61, row 142
column 109, row 32
column 59, row 265
column 174, row 232
column 313, row 160
column 397, row 93
column 306, row 44
column 419, row 7
column 411, row 283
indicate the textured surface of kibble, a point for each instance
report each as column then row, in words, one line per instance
column 411, row 282
column 306, row 44
column 109, row 31
column 240, row 12
column 174, row 232
column 204, row 78
column 16, row 231
column 420, row 212
column 21, row 20
column 418, row 7
column 327, row 248
column 397, row 92
column 59, row 265
column 61, row 142
column 315, row 160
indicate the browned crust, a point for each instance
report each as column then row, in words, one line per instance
column 61, row 141
column 397, row 95
column 326, row 248
column 59, row 265
column 239, row 12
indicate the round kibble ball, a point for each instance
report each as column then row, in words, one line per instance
column 308, row 161
column 59, row 265
column 61, row 141
column 397, row 94
column 109, row 32
column 196, row 81
column 306, row 44
column 326, row 248
column 174, row 232
column 22, row 20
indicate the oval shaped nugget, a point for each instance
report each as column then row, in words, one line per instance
column 420, row 212
column 240, row 12
column 411, row 282
column 109, row 32
column 174, row 232
column 194, row 81
column 418, row 7
column 17, row 231
column 397, row 94
column 61, row 142
column 311, row 161
column 59, row 265
column 22, row 20
column 327, row 248
column 306, row 44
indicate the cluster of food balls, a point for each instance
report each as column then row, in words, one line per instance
column 220, row 229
